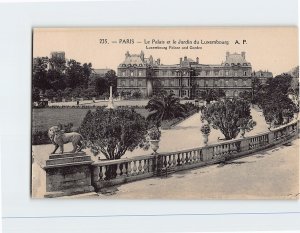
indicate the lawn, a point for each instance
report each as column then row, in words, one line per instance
column 44, row 118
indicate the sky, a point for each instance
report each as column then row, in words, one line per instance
column 267, row 48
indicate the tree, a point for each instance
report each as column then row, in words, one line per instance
column 275, row 100
column 113, row 132
column 212, row 95
column 257, row 88
column 229, row 116
column 58, row 64
column 35, row 94
column 164, row 107
column 246, row 95
column 101, row 85
column 50, row 94
column 77, row 75
column 111, row 78
column 39, row 73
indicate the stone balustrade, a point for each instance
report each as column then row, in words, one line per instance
column 109, row 173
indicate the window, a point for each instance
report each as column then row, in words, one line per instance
column 123, row 83
column 183, row 92
column 226, row 73
column 171, row 83
column 245, row 73
column 139, row 83
column 123, row 73
column 207, row 73
column 216, row 73
column 164, row 73
column 131, row 82
column 245, row 83
column 131, row 73
column 235, row 73
column 226, row 83
column 140, row 73
column 235, row 83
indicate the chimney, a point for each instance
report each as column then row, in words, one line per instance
column 244, row 55
column 180, row 61
column 127, row 54
column 227, row 55
column 185, row 58
column 197, row 60
column 158, row 61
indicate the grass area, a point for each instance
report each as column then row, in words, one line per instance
column 44, row 118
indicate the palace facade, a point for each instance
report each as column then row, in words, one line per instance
column 185, row 79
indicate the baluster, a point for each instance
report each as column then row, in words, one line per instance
column 104, row 169
column 187, row 157
column 134, row 168
column 201, row 156
column 198, row 155
column 165, row 159
column 182, row 159
column 124, row 169
column 175, row 160
column 178, row 159
column 118, row 170
column 129, row 169
column 150, row 165
column 140, row 167
column 194, row 156
column 146, row 166
column 101, row 173
column 96, row 174
column 170, row 162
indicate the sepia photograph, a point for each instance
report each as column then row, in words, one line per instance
column 181, row 113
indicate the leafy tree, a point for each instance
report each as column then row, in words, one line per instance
column 257, row 88
column 39, row 73
column 229, row 116
column 246, row 95
column 212, row 95
column 275, row 100
column 76, row 75
column 50, row 94
column 58, row 64
column 164, row 107
column 35, row 95
column 113, row 132
column 101, row 85
column 111, row 78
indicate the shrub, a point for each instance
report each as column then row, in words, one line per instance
column 154, row 133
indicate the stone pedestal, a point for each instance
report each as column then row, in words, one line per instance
column 68, row 174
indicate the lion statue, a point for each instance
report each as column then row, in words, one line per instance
column 58, row 137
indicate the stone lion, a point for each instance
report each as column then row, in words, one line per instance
column 58, row 137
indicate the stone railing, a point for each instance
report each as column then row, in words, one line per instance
column 109, row 173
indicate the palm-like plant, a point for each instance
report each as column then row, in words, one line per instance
column 164, row 107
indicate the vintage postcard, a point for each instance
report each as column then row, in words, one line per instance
column 165, row 113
